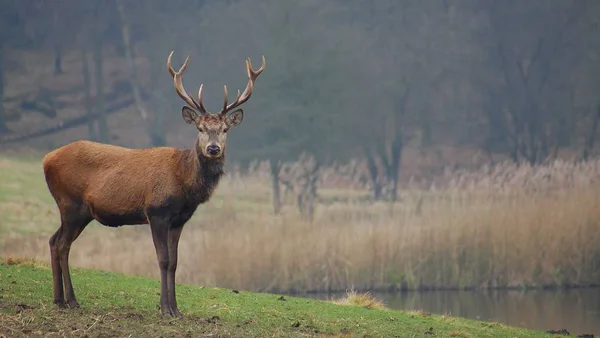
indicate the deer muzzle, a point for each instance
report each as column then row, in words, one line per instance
column 213, row 149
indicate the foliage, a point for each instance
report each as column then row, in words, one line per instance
column 337, row 70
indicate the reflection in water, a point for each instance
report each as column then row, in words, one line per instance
column 577, row 310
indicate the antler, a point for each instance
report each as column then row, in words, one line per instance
column 243, row 97
column 240, row 98
column 178, row 82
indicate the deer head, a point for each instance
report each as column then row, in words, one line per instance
column 213, row 127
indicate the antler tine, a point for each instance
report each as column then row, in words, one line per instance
column 241, row 98
column 178, row 83
column 169, row 67
column 201, row 107
column 254, row 74
column 225, row 98
column 238, row 95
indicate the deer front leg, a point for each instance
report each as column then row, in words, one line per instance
column 71, row 231
column 160, row 232
column 57, row 282
column 174, row 235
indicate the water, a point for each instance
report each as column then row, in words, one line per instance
column 577, row 310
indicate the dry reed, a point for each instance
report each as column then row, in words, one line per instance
column 364, row 299
column 502, row 226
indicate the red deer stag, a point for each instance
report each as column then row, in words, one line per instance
column 160, row 186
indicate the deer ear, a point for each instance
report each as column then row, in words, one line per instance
column 189, row 115
column 235, row 118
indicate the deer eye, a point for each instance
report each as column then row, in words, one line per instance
column 226, row 129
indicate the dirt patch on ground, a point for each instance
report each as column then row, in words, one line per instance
column 23, row 320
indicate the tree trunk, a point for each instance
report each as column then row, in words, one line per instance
column 313, row 180
column 275, row 170
column 57, row 59
column 591, row 137
column 87, row 84
column 128, row 55
column 394, row 167
column 103, row 135
column 98, row 44
column 57, row 43
column 373, row 175
column 3, row 127
column 156, row 128
column 392, row 164
column 306, row 180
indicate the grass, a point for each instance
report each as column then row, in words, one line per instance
column 500, row 227
column 366, row 300
column 119, row 305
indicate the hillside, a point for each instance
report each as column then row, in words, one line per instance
column 32, row 79
column 117, row 305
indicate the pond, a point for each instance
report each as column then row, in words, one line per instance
column 576, row 310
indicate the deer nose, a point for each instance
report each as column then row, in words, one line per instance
column 213, row 149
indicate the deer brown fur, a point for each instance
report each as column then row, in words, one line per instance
column 160, row 186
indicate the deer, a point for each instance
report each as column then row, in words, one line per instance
column 158, row 186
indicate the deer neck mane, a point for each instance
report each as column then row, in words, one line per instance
column 202, row 174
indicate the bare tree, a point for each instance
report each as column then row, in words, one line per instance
column 529, row 68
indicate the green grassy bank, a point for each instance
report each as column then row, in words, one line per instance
column 117, row 305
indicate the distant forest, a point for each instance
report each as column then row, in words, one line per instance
column 344, row 79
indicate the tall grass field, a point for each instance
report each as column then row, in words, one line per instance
column 502, row 226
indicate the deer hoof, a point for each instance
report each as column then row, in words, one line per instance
column 169, row 312
column 175, row 313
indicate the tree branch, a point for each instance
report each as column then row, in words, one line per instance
column 68, row 124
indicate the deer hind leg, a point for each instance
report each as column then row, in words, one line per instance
column 173, row 244
column 71, row 227
column 160, row 231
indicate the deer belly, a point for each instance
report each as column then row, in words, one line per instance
column 115, row 204
column 112, row 220
column 116, row 217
